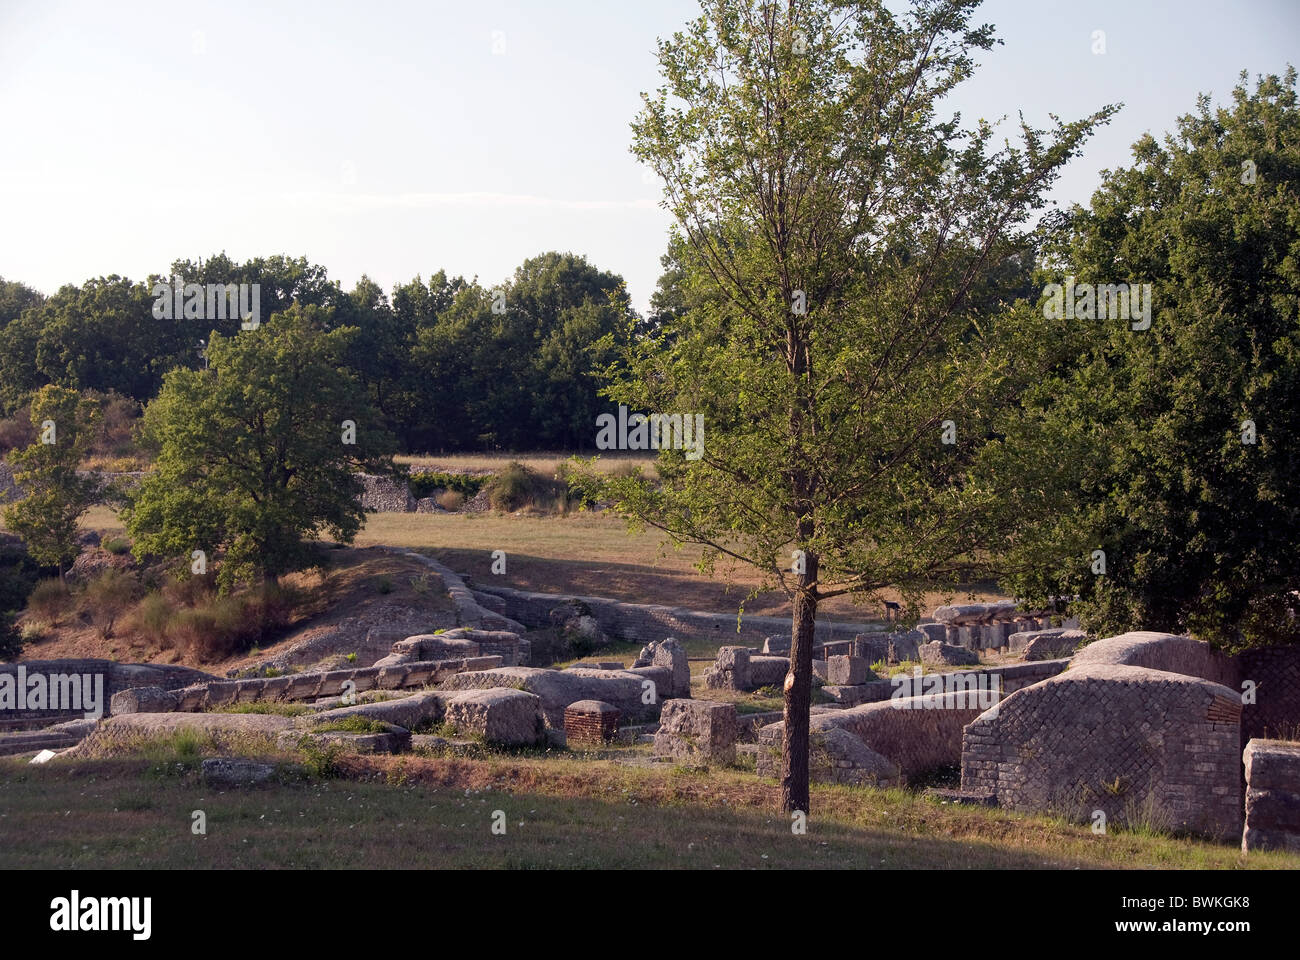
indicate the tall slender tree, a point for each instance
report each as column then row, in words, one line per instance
column 849, row 360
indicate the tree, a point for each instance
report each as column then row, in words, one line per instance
column 513, row 366
column 844, row 231
column 15, row 297
column 57, row 496
column 254, row 457
column 1186, row 477
column 99, row 336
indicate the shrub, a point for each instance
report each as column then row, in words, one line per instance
column 423, row 484
column 229, row 625
column 11, row 640
column 17, row 431
column 149, row 618
column 356, row 723
column 384, row 584
column 49, row 599
column 517, row 486
column 451, row 500
column 107, row 597
column 117, row 546
column 192, row 591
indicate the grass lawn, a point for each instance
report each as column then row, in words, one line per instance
column 422, row 812
column 584, row 553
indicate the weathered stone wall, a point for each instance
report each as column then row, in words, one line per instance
column 1272, row 796
column 558, row 689
column 914, row 733
column 311, row 686
column 116, row 677
column 1135, row 743
column 385, row 495
column 1275, row 671
column 1008, row 679
column 1162, row 651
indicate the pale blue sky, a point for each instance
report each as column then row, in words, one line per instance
column 388, row 138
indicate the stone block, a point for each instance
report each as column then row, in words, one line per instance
column 944, row 654
column 502, row 715
column 730, row 671
column 1053, row 644
column 143, row 700
column 235, row 772
column 1272, row 796
column 849, row 671
column 697, row 730
column 766, row 672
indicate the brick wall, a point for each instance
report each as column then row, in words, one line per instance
column 1133, row 742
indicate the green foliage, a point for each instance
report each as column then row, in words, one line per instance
column 99, row 336
column 50, row 599
column 425, row 482
column 354, row 723
column 108, row 596
column 11, row 639
column 518, row 486
column 117, row 546
column 843, row 269
column 56, row 495
column 1199, row 528
column 18, row 574
column 250, row 457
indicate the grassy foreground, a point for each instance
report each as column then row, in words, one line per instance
column 429, row 812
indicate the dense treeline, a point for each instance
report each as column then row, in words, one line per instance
column 448, row 364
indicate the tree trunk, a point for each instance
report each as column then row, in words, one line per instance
column 798, row 694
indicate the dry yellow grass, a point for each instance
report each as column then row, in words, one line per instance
column 585, row 553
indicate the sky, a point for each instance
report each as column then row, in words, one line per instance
column 398, row 138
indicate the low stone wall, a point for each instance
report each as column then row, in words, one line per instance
column 469, row 612
column 311, row 686
column 1162, row 651
column 558, row 689
column 1009, row 679
column 386, row 495
column 1272, row 796
column 116, row 677
column 914, row 733
column 643, row 622
column 1135, row 743
column 1275, row 672
column 1272, row 707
